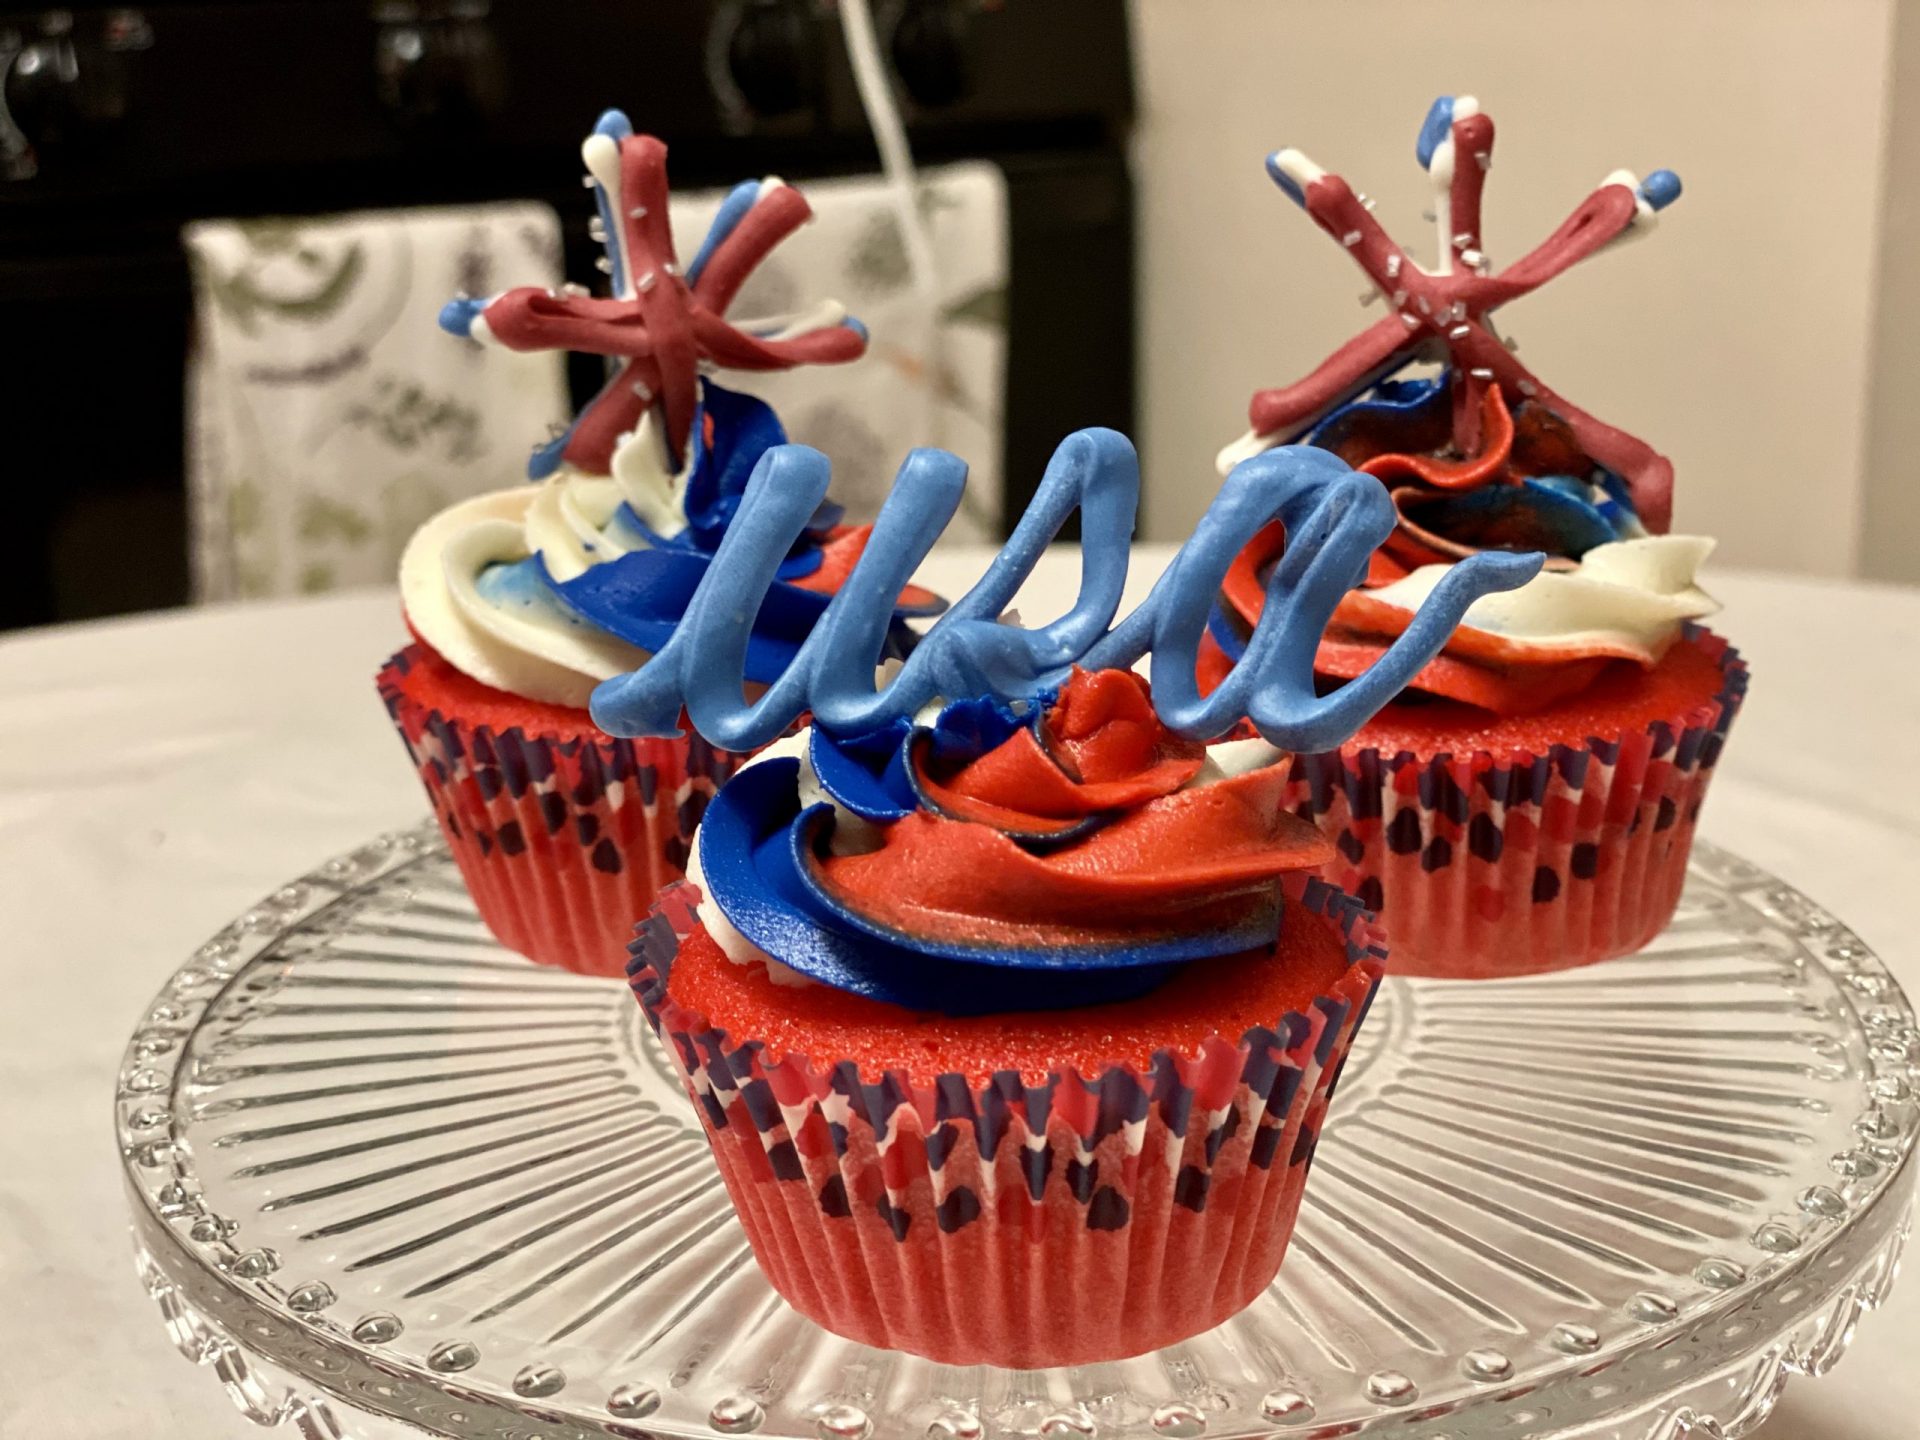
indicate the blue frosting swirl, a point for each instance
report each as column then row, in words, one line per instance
column 756, row 844
column 640, row 597
column 1564, row 515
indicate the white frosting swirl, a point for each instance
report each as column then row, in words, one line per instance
column 469, row 595
column 1627, row 598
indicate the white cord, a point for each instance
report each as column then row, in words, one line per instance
column 896, row 159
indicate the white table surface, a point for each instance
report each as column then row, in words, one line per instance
column 158, row 775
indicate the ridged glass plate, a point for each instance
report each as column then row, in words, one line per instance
column 382, row 1170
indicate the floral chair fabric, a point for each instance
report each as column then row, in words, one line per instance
column 329, row 414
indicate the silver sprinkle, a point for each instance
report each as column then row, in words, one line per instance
column 1457, row 311
column 1483, row 159
column 1459, row 332
column 1399, row 298
column 1480, row 372
column 670, row 268
column 1472, row 258
column 1465, row 237
column 1350, row 239
column 588, row 181
column 1393, row 267
column 1527, row 387
column 1426, row 305
column 638, row 212
column 1412, row 322
column 574, row 287
column 646, row 282
column 1367, row 203
column 640, row 388
column 603, row 265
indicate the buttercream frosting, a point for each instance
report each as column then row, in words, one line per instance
column 1014, row 819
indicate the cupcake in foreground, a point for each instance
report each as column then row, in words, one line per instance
column 1529, row 803
column 520, row 602
column 1012, row 1008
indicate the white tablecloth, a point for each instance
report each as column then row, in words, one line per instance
column 158, row 775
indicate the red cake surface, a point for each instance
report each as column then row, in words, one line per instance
column 1225, row 996
column 1623, row 700
column 431, row 681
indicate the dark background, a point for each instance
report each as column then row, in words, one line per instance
column 122, row 123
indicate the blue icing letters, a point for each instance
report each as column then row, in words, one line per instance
column 1333, row 516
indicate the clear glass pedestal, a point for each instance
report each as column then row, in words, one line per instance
column 386, row 1176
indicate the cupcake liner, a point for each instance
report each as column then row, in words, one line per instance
column 1015, row 1224
column 563, row 836
column 1488, row 865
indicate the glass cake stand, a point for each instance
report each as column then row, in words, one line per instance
column 386, row 1175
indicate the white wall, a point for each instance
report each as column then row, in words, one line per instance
column 1736, row 338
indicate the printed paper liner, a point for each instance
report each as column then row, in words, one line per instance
column 1483, row 866
column 1005, row 1223
column 564, row 837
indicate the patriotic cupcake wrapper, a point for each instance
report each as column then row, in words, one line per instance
column 564, row 837
column 1483, row 866
column 1015, row 1224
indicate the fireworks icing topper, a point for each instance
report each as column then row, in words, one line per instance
column 1335, row 517
column 660, row 326
column 1445, row 313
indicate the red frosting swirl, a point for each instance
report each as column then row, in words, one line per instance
column 1080, row 830
column 1425, row 456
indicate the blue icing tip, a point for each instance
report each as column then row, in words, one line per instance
column 1660, row 189
column 858, row 327
column 613, row 123
column 1285, row 181
column 457, row 316
column 1434, row 130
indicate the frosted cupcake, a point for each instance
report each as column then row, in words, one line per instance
column 1012, row 1009
column 1529, row 802
column 520, row 602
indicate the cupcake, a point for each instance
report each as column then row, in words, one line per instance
column 1529, row 802
column 520, row 602
column 1012, row 1009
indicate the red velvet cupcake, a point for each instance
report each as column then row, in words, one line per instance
column 1011, row 1006
column 1011, row 1160
column 522, row 601
column 1529, row 802
column 563, row 833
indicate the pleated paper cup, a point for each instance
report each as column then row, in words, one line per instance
column 982, row 1219
column 1484, row 865
column 564, row 834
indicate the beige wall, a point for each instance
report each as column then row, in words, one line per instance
column 1737, row 337
column 1890, row 510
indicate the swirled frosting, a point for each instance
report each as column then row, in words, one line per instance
column 547, row 590
column 1015, row 820
column 1608, row 591
column 988, row 857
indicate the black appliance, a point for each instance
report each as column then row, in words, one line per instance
column 122, row 123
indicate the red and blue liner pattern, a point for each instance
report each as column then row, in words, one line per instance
column 1482, row 865
column 989, row 1220
column 564, row 836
